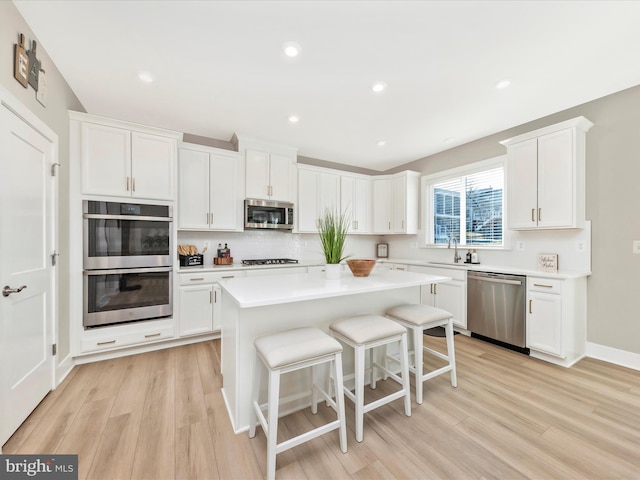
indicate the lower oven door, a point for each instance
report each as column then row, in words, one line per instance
column 125, row 295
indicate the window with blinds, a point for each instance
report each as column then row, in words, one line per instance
column 467, row 206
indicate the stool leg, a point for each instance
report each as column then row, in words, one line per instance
column 314, row 390
column 404, row 366
column 359, row 392
column 255, row 393
column 373, row 359
column 338, row 382
column 418, row 360
column 451, row 352
column 272, row 429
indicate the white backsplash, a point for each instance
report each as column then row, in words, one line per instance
column 565, row 243
column 254, row 244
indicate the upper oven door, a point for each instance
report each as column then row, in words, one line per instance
column 127, row 235
column 267, row 214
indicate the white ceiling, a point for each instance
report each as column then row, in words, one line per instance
column 219, row 68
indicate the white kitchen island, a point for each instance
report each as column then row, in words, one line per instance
column 256, row 306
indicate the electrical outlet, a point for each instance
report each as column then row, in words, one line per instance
column 636, row 246
column 580, row 246
column 520, row 245
column 206, row 244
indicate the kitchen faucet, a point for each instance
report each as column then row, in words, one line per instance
column 456, row 257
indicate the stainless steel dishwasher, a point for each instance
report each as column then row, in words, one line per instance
column 496, row 309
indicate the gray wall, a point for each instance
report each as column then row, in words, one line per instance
column 60, row 98
column 613, row 203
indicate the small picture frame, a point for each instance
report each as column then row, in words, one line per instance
column 548, row 262
column 382, row 250
column 21, row 63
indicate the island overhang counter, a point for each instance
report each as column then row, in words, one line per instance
column 256, row 306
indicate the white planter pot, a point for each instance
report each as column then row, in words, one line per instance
column 333, row 271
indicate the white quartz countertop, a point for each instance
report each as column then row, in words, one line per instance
column 249, row 292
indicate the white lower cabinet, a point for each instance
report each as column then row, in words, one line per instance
column 199, row 297
column 556, row 319
column 544, row 315
column 199, row 309
column 450, row 296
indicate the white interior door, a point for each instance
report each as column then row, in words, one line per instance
column 27, row 228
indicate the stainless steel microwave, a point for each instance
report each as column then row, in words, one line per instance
column 267, row 214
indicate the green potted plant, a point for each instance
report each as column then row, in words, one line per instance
column 333, row 227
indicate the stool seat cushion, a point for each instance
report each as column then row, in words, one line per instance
column 294, row 346
column 418, row 314
column 363, row 329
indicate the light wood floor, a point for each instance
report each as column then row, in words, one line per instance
column 161, row 415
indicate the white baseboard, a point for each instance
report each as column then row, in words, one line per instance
column 63, row 369
column 613, row 355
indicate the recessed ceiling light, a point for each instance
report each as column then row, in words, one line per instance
column 291, row 49
column 503, row 84
column 379, row 87
column 145, row 77
column 294, row 118
column 448, row 140
column 381, row 143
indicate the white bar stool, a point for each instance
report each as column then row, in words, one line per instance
column 364, row 332
column 417, row 318
column 285, row 352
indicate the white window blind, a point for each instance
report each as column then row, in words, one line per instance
column 468, row 207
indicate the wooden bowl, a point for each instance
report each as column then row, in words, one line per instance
column 361, row 268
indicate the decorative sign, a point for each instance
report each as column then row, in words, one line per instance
column 548, row 262
column 41, row 93
column 383, row 250
column 34, row 66
column 21, row 66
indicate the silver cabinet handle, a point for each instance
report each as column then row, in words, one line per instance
column 7, row 290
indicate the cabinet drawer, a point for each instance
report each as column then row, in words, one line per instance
column 545, row 285
column 207, row 277
column 108, row 342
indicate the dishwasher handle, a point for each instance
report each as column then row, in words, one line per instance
column 483, row 278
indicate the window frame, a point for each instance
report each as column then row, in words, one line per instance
column 427, row 183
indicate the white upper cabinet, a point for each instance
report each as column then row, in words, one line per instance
column 126, row 160
column 270, row 170
column 355, row 200
column 318, row 190
column 153, row 166
column 395, row 203
column 546, row 177
column 210, row 195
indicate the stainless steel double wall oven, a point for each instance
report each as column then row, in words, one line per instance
column 128, row 258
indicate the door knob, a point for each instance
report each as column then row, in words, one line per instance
column 7, row 290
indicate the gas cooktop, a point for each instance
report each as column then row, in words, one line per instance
column 269, row 261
